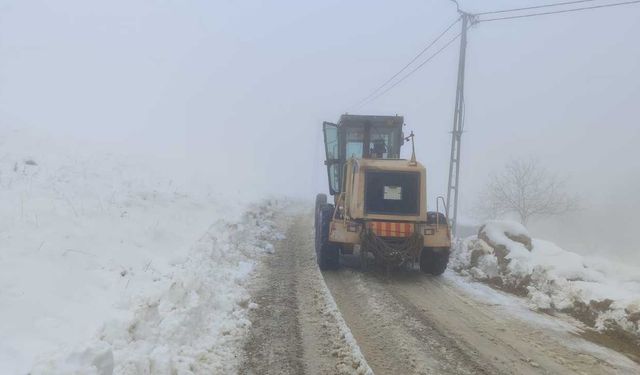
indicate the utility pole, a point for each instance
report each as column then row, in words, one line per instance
column 458, row 127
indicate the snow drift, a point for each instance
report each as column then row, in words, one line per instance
column 603, row 295
column 107, row 263
column 193, row 322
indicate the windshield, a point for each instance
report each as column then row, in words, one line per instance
column 383, row 142
column 388, row 137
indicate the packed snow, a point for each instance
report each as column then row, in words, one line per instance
column 352, row 350
column 600, row 293
column 106, row 265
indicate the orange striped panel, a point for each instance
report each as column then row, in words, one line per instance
column 391, row 229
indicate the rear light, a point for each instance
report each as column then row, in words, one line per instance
column 429, row 231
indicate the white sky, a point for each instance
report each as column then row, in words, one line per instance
column 238, row 90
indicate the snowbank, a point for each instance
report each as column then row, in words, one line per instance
column 195, row 318
column 604, row 295
column 106, row 262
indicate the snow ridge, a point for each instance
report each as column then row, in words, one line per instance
column 195, row 323
column 109, row 263
column 361, row 365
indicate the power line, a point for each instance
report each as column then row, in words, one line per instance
column 374, row 92
column 533, row 7
column 559, row 11
column 415, row 69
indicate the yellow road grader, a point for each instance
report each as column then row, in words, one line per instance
column 379, row 209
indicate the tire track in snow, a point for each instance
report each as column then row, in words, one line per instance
column 297, row 328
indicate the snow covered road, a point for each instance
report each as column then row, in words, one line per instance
column 415, row 324
column 408, row 323
column 296, row 327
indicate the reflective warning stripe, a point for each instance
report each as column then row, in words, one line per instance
column 391, row 229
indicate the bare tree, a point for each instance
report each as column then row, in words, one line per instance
column 526, row 189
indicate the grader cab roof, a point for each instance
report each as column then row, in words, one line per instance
column 376, row 121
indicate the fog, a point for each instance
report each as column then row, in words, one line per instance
column 236, row 92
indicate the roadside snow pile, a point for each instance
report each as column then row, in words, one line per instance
column 603, row 295
column 194, row 320
column 101, row 249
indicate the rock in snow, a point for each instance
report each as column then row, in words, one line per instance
column 603, row 295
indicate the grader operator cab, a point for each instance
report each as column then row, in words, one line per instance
column 380, row 202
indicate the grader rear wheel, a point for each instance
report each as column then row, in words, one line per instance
column 434, row 261
column 321, row 201
column 327, row 254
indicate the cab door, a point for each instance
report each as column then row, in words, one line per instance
column 332, row 151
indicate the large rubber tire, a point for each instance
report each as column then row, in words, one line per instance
column 434, row 262
column 321, row 201
column 327, row 254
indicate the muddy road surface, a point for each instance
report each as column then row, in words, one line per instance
column 354, row 322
